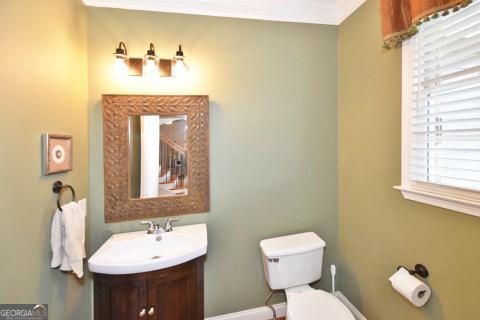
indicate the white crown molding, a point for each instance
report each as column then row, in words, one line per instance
column 330, row 12
column 346, row 8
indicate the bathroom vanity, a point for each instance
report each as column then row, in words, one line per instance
column 154, row 276
column 172, row 293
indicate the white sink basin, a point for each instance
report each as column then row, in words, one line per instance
column 135, row 252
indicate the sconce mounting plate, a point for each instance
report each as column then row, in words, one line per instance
column 135, row 67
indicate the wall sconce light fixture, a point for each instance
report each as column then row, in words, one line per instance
column 121, row 59
column 150, row 65
column 178, row 63
column 150, row 62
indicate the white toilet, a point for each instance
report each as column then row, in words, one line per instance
column 291, row 263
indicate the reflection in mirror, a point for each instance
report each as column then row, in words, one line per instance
column 158, row 156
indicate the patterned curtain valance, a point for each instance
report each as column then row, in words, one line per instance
column 400, row 18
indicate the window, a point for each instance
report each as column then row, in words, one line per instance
column 441, row 112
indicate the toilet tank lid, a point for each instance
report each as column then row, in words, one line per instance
column 291, row 244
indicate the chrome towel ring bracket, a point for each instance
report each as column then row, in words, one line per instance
column 58, row 188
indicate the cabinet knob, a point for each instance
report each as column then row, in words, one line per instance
column 151, row 311
column 142, row 313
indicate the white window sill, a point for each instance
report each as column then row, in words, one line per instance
column 441, row 200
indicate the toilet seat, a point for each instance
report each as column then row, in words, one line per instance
column 316, row 305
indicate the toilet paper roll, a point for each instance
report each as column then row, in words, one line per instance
column 414, row 290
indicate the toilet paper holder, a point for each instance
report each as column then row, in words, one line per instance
column 420, row 269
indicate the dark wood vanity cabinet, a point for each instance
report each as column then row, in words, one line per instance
column 175, row 293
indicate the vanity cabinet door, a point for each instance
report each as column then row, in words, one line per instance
column 174, row 293
column 121, row 300
column 173, row 296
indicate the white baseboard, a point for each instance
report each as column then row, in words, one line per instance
column 350, row 306
column 264, row 313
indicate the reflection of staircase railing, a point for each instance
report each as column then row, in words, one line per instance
column 173, row 144
column 173, row 163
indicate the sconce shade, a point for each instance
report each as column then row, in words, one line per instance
column 150, row 62
column 121, row 60
column 178, row 62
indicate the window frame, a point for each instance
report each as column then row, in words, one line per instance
column 456, row 199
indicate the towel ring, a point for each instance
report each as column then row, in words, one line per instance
column 58, row 187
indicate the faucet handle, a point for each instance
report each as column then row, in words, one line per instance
column 151, row 226
column 168, row 224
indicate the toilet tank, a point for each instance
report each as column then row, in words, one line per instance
column 292, row 260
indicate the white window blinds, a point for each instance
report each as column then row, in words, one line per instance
column 445, row 113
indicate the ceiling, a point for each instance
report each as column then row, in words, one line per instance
column 331, row 12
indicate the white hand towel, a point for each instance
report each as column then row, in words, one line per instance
column 69, row 226
column 56, row 240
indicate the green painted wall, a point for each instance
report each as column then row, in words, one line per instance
column 272, row 133
column 378, row 229
column 273, row 90
column 43, row 88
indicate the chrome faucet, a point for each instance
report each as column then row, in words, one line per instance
column 167, row 226
column 154, row 228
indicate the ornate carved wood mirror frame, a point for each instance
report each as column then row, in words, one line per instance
column 119, row 206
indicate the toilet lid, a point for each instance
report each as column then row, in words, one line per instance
column 316, row 305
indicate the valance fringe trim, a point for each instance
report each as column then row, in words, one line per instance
column 395, row 40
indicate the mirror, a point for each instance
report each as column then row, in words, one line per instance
column 155, row 155
column 158, row 156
